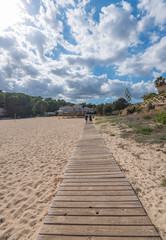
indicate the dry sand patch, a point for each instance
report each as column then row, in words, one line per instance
column 33, row 156
column 144, row 167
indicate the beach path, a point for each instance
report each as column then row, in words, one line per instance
column 95, row 201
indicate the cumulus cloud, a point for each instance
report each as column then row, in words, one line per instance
column 143, row 64
column 155, row 9
column 53, row 48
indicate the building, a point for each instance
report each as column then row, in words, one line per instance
column 2, row 112
column 74, row 110
column 162, row 88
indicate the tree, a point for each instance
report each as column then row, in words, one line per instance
column 160, row 81
column 100, row 109
column 2, row 99
column 19, row 104
column 40, row 107
column 120, row 104
column 108, row 108
column 128, row 95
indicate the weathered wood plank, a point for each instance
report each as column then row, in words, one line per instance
column 96, row 199
column 93, row 230
column 101, row 176
column 130, row 204
column 58, row 237
column 98, row 220
column 97, row 183
column 98, row 212
column 96, row 193
column 94, row 188
column 108, row 172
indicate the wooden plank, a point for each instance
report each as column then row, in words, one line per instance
column 105, row 183
column 97, row 212
column 130, row 204
column 93, row 230
column 95, row 193
column 98, row 220
column 94, row 188
column 91, row 173
column 60, row 237
column 103, row 176
column 96, row 199
column 101, row 180
column 90, row 168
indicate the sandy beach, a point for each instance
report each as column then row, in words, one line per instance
column 33, row 157
column 144, row 167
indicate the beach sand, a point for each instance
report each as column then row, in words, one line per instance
column 144, row 167
column 33, row 156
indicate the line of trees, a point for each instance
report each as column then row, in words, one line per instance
column 109, row 108
column 23, row 105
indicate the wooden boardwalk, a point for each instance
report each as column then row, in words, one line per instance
column 95, row 201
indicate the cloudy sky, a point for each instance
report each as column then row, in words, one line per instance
column 82, row 50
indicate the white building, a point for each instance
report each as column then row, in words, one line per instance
column 75, row 109
column 2, row 112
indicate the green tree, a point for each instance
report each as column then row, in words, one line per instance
column 160, row 81
column 108, row 108
column 40, row 107
column 2, row 99
column 19, row 104
column 120, row 104
column 100, row 109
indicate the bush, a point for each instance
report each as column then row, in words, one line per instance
column 150, row 106
column 144, row 130
column 131, row 110
column 139, row 109
column 161, row 117
column 148, row 96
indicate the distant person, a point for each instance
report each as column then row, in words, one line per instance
column 90, row 118
column 86, row 118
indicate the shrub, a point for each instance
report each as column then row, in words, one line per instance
column 161, row 117
column 150, row 106
column 147, row 116
column 139, row 109
column 148, row 96
column 144, row 130
column 131, row 110
column 164, row 182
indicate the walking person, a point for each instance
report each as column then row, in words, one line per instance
column 86, row 118
column 90, row 118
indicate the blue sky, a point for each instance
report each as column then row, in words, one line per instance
column 82, row 50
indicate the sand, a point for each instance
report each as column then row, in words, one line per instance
column 33, row 157
column 144, row 167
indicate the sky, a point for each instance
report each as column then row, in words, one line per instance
column 82, row 50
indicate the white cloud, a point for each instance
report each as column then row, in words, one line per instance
column 142, row 64
column 155, row 9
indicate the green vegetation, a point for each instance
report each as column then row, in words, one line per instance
column 149, row 96
column 163, row 182
column 159, row 81
column 101, row 121
column 22, row 105
column 161, row 117
column 112, row 108
column 141, row 139
column 144, row 130
column 112, row 134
